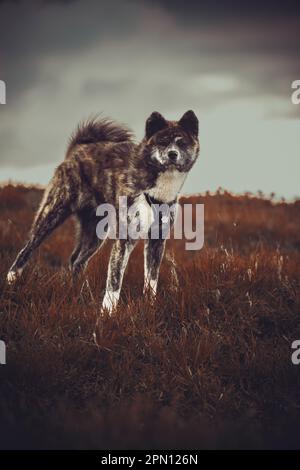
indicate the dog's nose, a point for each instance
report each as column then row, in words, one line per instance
column 172, row 154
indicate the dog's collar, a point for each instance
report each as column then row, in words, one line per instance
column 152, row 200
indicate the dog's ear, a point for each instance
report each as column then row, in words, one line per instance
column 189, row 122
column 156, row 122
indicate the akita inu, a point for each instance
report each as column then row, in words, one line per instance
column 103, row 163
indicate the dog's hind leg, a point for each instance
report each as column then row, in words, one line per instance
column 54, row 209
column 88, row 241
column 77, row 246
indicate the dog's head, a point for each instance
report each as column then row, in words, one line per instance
column 172, row 144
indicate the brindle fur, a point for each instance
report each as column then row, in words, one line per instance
column 103, row 163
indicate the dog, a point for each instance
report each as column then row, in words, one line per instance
column 102, row 163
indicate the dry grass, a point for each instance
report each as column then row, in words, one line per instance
column 208, row 365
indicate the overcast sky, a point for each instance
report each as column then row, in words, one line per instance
column 233, row 65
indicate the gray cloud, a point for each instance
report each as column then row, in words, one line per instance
column 65, row 60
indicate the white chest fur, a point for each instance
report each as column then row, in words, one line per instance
column 145, row 214
column 167, row 185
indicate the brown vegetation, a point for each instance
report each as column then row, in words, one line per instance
column 207, row 366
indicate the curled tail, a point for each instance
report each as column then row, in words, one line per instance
column 99, row 130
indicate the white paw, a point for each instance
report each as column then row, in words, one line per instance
column 110, row 301
column 11, row 277
column 150, row 287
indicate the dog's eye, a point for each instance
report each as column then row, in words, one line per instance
column 181, row 143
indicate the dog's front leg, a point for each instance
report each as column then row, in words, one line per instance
column 155, row 247
column 153, row 255
column 117, row 264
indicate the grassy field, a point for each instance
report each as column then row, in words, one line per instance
column 207, row 366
